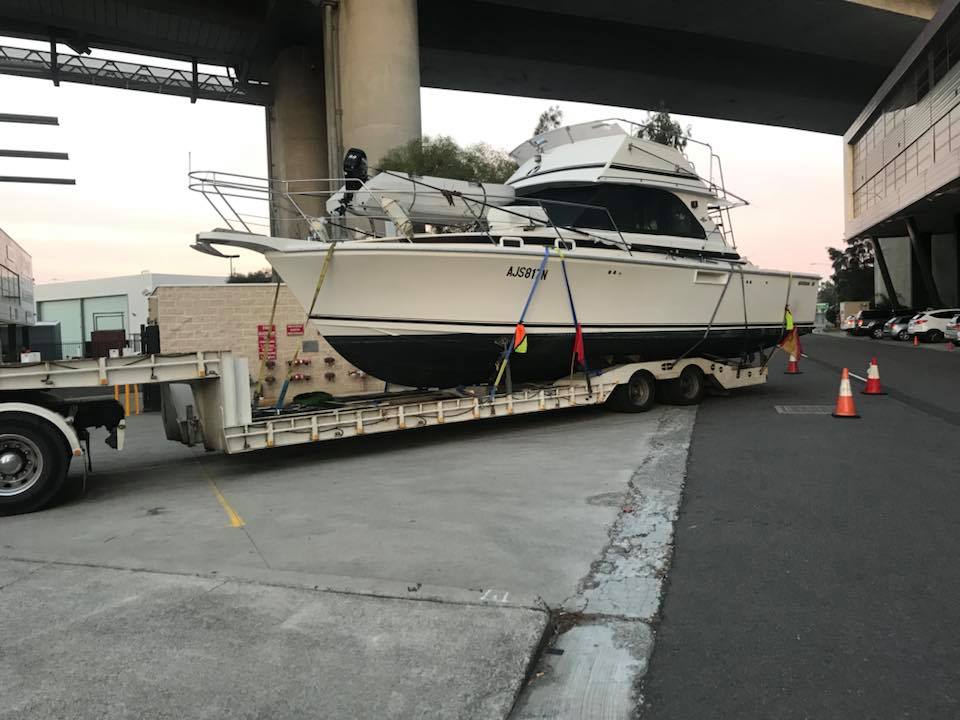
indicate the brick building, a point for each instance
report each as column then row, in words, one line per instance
column 235, row 317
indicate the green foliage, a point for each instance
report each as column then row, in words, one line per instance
column 663, row 129
column 257, row 276
column 550, row 119
column 827, row 293
column 853, row 270
column 441, row 156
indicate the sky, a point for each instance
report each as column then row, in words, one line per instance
column 131, row 209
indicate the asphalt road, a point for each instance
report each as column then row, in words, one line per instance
column 815, row 572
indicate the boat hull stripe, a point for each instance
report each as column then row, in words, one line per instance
column 586, row 326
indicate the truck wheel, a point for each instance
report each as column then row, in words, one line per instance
column 636, row 395
column 688, row 389
column 33, row 463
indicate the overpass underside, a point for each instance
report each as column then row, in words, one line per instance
column 808, row 64
column 344, row 73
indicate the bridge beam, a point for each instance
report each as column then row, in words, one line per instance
column 924, row 9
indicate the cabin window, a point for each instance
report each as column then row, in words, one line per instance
column 634, row 209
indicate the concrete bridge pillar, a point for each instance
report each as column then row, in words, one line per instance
column 377, row 62
column 297, row 135
column 379, row 67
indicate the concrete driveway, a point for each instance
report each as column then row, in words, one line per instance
column 393, row 576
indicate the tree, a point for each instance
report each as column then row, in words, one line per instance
column 827, row 293
column 441, row 156
column 257, row 276
column 853, row 270
column 550, row 119
column 663, row 129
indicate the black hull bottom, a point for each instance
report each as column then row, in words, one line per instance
column 470, row 359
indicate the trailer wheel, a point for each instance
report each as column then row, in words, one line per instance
column 688, row 389
column 636, row 395
column 33, row 463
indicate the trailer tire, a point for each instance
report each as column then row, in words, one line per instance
column 33, row 463
column 636, row 395
column 688, row 389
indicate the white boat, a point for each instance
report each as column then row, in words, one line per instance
column 623, row 232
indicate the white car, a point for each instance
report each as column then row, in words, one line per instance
column 931, row 325
column 952, row 331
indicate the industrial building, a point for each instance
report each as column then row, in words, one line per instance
column 114, row 304
column 902, row 171
column 17, row 314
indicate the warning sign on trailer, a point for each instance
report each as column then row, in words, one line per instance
column 267, row 342
column 295, row 329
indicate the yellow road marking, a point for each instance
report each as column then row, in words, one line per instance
column 235, row 519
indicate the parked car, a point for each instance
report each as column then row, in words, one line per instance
column 932, row 324
column 952, row 331
column 871, row 322
column 896, row 327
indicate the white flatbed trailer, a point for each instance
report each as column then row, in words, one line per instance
column 207, row 400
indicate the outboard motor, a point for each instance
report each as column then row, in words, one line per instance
column 355, row 171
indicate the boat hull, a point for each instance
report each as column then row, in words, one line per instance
column 440, row 317
column 471, row 358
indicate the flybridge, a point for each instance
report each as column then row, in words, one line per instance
column 584, row 182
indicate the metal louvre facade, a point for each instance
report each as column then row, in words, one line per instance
column 911, row 148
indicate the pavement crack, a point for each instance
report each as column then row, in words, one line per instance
column 537, row 605
column 256, row 547
column 24, row 577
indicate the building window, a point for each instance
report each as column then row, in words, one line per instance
column 9, row 283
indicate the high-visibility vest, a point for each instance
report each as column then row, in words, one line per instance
column 788, row 320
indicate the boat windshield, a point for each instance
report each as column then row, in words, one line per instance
column 644, row 210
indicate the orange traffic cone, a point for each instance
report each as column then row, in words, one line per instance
column 845, row 408
column 916, row 341
column 873, row 380
column 950, row 345
column 793, row 366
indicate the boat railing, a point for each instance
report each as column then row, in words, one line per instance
column 296, row 208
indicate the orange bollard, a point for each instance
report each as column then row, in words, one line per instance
column 793, row 366
column 136, row 399
column 126, row 401
column 116, row 393
column 873, row 380
column 845, row 407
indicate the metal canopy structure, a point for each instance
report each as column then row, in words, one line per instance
column 33, row 154
column 62, row 67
